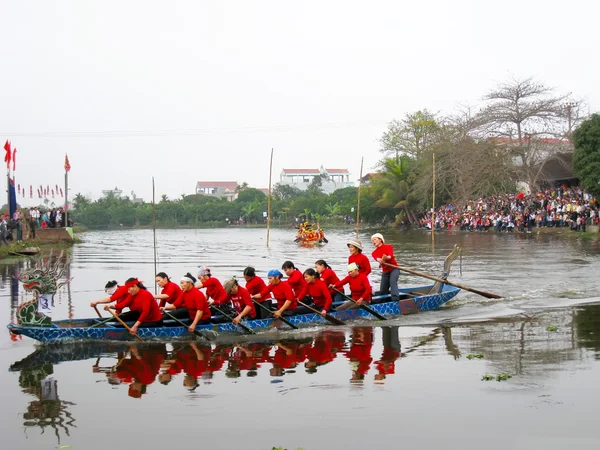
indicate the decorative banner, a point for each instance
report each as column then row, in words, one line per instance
column 30, row 191
column 14, row 158
column 45, row 303
column 67, row 164
column 57, row 188
column 12, row 204
column 52, row 193
column 61, row 192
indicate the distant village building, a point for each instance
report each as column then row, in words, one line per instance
column 226, row 189
column 116, row 192
column 301, row 178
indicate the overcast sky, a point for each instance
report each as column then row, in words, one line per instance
column 195, row 90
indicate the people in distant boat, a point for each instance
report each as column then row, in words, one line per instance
column 240, row 299
column 170, row 291
column 143, row 307
column 115, row 293
column 191, row 303
column 360, row 289
column 329, row 277
column 384, row 254
column 295, row 280
column 282, row 291
column 318, row 291
column 356, row 256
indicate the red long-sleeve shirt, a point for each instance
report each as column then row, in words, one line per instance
column 385, row 249
column 143, row 302
column 255, row 286
column 241, row 300
column 320, row 294
column 172, row 290
column 298, row 283
column 215, row 290
column 362, row 261
column 282, row 292
column 194, row 300
column 359, row 286
column 329, row 277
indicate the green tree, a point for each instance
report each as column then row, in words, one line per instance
column 586, row 158
column 410, row 136
column 391, row 186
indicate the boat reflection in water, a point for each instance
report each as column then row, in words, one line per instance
column 136, row 366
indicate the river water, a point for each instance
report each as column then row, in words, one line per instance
column 411, row 382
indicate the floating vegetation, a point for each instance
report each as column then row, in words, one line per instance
column 475, row 356
column 551, row 328
column 499, row 377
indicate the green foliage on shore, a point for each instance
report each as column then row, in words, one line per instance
column 586, row 158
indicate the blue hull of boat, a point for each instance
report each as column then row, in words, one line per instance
column 68, row 331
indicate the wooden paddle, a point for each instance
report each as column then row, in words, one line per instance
column 440, row 280
column 363, row 306
column 97, row 312
column 196, row 332
column 124, row 324
column 287, row 322
column 240, row 324
column 327, row 316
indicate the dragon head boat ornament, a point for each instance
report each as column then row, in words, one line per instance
column 43, row 279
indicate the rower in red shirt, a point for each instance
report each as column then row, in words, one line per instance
column 241, row 300
column 115, row 293
column 170, row 291
column 329, row 277
column 214, row 291
column 360, row 289
column 295, row 280
column 191, row 301
column 143, row 307
column 356, row 256
column 384, row 253
column 255, row 285
column 318, row 291
column 286, row 301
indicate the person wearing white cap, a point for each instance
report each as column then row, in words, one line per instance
column 356, row 256
column 384, row 253
column 360, row 288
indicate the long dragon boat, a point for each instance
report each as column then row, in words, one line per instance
column 41, row 328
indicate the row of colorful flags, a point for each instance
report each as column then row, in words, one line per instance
column 41, row 191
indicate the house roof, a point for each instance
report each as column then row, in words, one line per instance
column 313, row 171
column 549, row 141
column 215, row 184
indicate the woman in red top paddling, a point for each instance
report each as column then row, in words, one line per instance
column 329, row 277
column 255, row 285
column 115, row 293
column 191, row 301
column 143, row 307
column 356, row 256
column 170, row 291
column 295, row 280
column 281, row 290
column 384, row 253
column 318, row 291
column 360, row 288
column 214, row 291
column 241, row 300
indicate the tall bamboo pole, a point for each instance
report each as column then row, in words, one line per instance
column 269, row 199
column 358, row 205
column 154, row 236
column 433, row 206
column 66, row 198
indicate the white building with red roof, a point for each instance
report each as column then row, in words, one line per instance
column 218, row 189
column 301, row 178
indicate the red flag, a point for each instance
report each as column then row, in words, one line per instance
column 61, row 192
column 67, row 164
column 7, row 156
column 52, row 193
column 30, row 191
column 57, row 188
column 520, row 195
column 14, row 159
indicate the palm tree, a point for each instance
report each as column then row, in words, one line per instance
column 307, row 214
column 332, row 209
column 392, row 185
column 248, row 210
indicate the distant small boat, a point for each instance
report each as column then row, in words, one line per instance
column 27, row 251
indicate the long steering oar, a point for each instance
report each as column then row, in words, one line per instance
column 327, row 316
column 287, row 322
column 440, row 280
column 125, row 325
column 363, row 306
column 239, row 324
column 196, row 332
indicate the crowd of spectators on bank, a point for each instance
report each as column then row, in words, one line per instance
column 24, row 222
column 557, row 207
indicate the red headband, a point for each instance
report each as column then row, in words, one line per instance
column 131, row 283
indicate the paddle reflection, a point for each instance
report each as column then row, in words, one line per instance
column 133, row 367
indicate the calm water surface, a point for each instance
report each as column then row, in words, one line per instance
column 407, row 384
